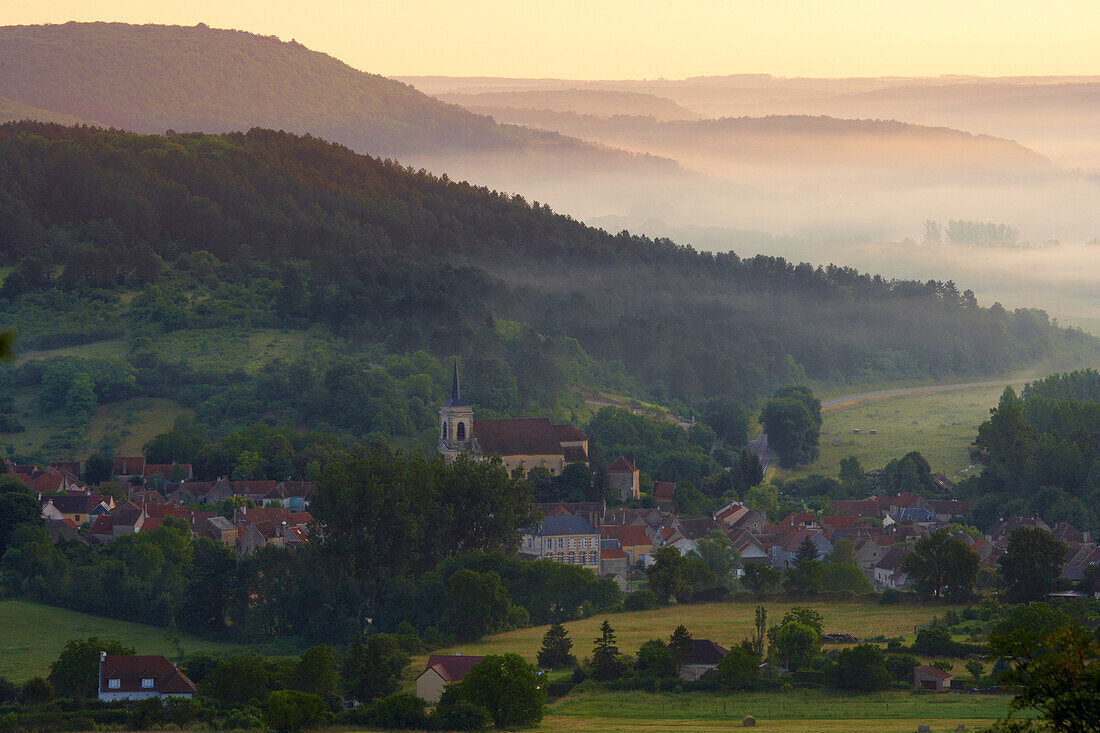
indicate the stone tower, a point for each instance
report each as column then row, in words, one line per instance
column 456, row 423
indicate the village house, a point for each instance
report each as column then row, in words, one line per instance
column 138, row 677
column 888, row 572
column 663, row 491
column 441, row 670
column 127, row 467
column 738, row 517
column 785, row 550
column 592, row 511
column 613, row 561
column 633, row 540
column 564, row 538
column 81, row 508
column 932, row 679
column 705, row 656
column 622, row 477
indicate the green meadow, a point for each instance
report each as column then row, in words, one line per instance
column 32, row 635
column 941, row 425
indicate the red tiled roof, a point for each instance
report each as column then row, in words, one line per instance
column 612, row 553
column 103, row 524
column 575, row 455
column 798, row 518
column 253, row 487
column 130, row 670
column 168, row 510
column 128, row 465
column 628, row 535
column 451, row 667
column 520, row 436
column 854, row 507
column 164, row 470
column 925, row 669
column 840, row 522
column 622, row 464
column 663, row 490
column 568, row 434
column 152, row 523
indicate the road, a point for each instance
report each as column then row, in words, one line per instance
column 759, row 446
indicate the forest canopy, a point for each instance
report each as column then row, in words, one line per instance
column 111, row 235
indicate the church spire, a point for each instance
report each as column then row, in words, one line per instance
column 455, row 396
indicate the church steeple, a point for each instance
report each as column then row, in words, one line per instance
column 456, row 422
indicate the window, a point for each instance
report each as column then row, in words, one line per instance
column 443, row 430
column 572, row 559
column 561, row 557
column 570, row 543
column 462, row 431
column 146, row 683
column 114, row 684
column 584, row 558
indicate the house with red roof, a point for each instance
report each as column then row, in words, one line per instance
column 663, row 492
column 622, row 476
column 929, row 678
column 441, row 670
column 168, row 471
column 138, row 677
column 128, row 466
column 633, row 540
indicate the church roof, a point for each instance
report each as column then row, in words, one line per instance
column 517, row 436
column 569, row 434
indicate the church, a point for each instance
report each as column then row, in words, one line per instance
column 521, row 442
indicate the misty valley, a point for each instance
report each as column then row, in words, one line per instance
column 331, row 399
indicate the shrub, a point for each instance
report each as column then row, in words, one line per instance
column 889, row 596
column 640, row 600
column 861, row 667
column 400, row 710
column 290, row 710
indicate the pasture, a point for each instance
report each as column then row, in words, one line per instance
column 34, row 634
column 941, row 425
column 790, row 710
column 726, row 623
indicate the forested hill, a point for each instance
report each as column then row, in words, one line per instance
column 115, row 234
column 152, row 78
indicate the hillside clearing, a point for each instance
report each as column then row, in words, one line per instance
column 941, row 425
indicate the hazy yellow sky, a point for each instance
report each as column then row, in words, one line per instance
column 604, row 39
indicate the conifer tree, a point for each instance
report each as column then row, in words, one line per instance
column 556, row 646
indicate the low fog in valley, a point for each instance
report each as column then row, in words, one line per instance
column 831, row 170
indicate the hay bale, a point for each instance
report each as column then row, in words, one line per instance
column 748, row 721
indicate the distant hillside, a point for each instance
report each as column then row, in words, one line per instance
column 152, row 78
column 599, row 102
column 813, row 146
column 12, row 111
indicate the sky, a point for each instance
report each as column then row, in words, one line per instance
column 644, row 39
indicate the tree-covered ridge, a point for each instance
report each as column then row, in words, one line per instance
column 151, row 78
column 114, row 234
column 1041, row 453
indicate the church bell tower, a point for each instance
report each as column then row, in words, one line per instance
column 456, row 423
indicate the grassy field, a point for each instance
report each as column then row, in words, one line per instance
column 941, row 425
column 32, row 635
column 724, row 623
column 796, row 709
